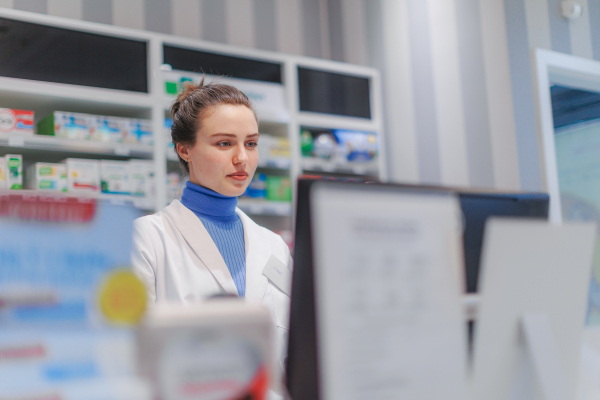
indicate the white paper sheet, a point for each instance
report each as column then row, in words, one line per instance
column 388, row 277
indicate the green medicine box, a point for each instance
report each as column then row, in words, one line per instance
column 279, row 188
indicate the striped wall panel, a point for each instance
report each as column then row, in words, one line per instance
column 457, row 76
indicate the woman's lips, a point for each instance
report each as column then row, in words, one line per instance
column 239, row 176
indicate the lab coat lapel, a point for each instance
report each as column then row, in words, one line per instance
column 196, row 235
column 256, row 259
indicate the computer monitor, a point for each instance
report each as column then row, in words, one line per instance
column 301, row 364
column 477, row 207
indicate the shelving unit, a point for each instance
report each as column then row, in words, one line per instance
column 55, row 144
column 281, row 117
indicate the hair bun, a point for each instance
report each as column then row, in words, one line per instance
column 188, row 89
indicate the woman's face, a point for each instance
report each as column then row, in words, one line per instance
column 225, row 155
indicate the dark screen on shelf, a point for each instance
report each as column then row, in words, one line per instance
column 331, row 93
column 45, row 53
column 218, row 64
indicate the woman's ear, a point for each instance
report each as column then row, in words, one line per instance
column 182, row 150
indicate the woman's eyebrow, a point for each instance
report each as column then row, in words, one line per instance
column 224, row 134
column 231, row 135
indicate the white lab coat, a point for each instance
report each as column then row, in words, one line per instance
column 178, row 261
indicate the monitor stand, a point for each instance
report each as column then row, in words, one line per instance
column 543, row 367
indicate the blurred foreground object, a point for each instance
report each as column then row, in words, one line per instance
column 533, row 290
column 376, row 308
column 219, row 350
column 61, row 258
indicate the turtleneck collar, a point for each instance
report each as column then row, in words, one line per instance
column 209, row 203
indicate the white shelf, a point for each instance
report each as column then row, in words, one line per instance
column 46, row 97
column 265, row 207
column 340, row 166
column 56, row 144
column 325, row 121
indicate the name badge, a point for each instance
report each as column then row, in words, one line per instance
column 279, row 274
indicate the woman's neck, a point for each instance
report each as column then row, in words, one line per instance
column 207, row 202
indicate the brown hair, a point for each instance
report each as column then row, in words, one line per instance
column 192, row 102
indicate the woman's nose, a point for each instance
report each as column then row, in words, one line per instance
column 240, row 156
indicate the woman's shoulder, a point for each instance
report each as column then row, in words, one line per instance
column 156, row 221
column 148, row 221
column 149, row 226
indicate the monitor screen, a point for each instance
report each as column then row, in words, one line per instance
column 191, row 60
column 46, row 53
column 478, row 207
column 333, row 93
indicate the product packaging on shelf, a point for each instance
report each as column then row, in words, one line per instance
column 83, row 175
column 141, row 178
column 257, row 189
column 14, row 167
column 175, row 185
column 274, row 151
column 114, row 177
column 356, row 146
column 47, row 176
column 279, row 188
column 3, row 173
column 171, row 155
column 67, row 125
column 107, row 129
column 306, row 143
column 96, row 127
column 138, row 131
column 16, row 121
column 324, row 146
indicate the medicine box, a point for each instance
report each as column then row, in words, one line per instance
column 114, row 177
column 16, row 121
column 108, row 129
column 14, row 166
column 138, row 131
column 141, row 178
column 3, row 173
column 279, row 188
column 67, row 125
column 82, row 175
column 47, row 176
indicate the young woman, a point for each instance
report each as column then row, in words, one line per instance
column 204, row 245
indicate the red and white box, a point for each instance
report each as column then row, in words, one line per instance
column 16, row 121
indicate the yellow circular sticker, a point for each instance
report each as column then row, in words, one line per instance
column 123, row 297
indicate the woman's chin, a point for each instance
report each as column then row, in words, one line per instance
column 234, row 191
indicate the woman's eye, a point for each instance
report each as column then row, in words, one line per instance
column 252, row 144
column 223, row 144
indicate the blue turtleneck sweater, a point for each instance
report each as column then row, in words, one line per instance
column 217, row 213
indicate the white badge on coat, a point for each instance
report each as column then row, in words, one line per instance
column 279, row 274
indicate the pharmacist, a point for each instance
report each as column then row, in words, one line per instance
column 204, row 245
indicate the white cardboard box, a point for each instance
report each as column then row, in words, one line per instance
column 141, row 178
column 114, row 177
column 14, row 167
column 220, row 349
column 83, row 175
column 47, row 176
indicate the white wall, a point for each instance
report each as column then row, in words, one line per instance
column 459, row 90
